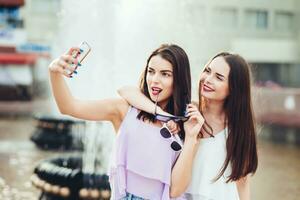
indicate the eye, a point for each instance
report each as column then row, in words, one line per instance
column 219, row 78
column 206, row 70
column 150, row 71
column 165, row 74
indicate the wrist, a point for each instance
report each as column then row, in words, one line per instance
column 191, row 141
column 52, row 71
column 158, row 110
column 191, row 145
column 50, row 68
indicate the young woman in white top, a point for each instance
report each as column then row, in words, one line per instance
column 215, row 164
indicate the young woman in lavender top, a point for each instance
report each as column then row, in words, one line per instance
column 216, row 163
column 143, row 159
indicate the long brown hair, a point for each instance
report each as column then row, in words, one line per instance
column 181, row 84
column 241, row 140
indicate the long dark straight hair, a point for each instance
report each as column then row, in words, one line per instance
column 181, row 83
column 241, row 140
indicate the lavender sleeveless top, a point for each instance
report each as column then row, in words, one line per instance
column 142, row 160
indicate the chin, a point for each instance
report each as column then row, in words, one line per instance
column 208, row 97
column 152, row 97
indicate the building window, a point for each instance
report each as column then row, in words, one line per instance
column 276, row 74
column 10, row 18
column 225, row 17
column 256, row 19
column 284, row 20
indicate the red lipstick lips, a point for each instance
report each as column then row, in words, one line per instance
column 206, row 88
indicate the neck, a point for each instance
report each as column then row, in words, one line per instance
column 163, row 105
column 215, row 109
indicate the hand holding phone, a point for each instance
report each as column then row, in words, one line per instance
column 84, row 50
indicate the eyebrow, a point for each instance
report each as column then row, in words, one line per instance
column 216, row 73
column 165, row 70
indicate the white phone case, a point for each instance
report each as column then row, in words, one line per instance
column 80, row 56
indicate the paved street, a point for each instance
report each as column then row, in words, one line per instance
column 277, row 177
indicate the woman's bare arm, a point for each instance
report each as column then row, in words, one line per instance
column 136, row 98
column 243, row 186
column 110, row 109
column 182, row 170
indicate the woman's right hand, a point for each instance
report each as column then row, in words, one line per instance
column 193, row 126
column 173, row 127
column 65, row 64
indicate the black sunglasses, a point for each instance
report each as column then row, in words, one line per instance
column 175, row 145
column 166, row 118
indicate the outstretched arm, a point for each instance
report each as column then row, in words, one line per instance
column 110, row 109
column 136, row 98
column 182, row 170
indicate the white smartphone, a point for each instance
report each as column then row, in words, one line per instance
column 85, row 49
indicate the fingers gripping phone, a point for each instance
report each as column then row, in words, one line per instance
column 84, row 50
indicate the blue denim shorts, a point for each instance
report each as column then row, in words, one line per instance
column 132, row 197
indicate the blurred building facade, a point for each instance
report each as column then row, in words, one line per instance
column 12, row 34
column 265, row 32
column 19, row 54
column 41, row 20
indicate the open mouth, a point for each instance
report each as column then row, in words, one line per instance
column 155, row 90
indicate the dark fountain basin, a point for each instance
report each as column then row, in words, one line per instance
column 63, row 179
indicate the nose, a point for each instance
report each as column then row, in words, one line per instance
column 208, row 79
column 155, row 78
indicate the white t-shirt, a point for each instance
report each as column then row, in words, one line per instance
column 207, row 165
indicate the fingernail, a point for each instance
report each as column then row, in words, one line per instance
column 75, row 72
column 81, row 50
column 185, row 113
column 79, row 64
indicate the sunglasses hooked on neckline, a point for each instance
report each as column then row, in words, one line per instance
column 176, row 144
